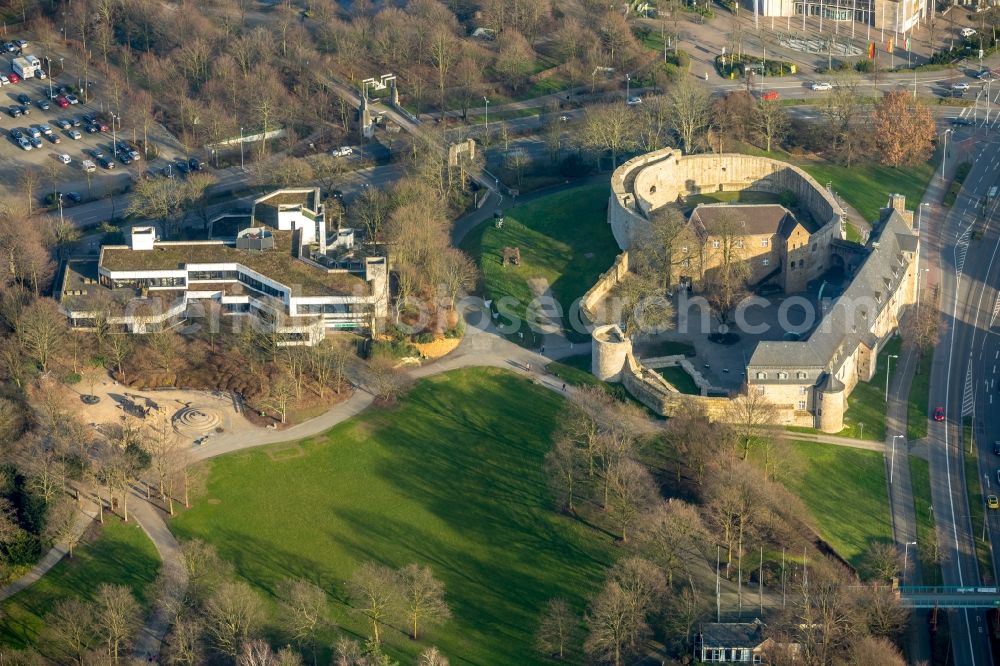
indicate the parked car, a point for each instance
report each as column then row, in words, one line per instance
column 4, row 81
column 182, row 167
column 962, row 122
column 23, row 99
column 770, row 96
column 124, row 159
column 996, row 448
column 195, row 164
column 106, row 163
column 14, row 110
column 24, row 110
column 34, row 131
column 88, row 118
column 634, row 101
column 9, row 47
column 75, row 121
column 88, row 166
column 72, row 99
column 101, row 127
column 74, row 134
column 74, row 197
column 45, row 128
column 14, row 78
column 96, row 153
column 62, row 102
column 967, row 32
column 62, row 123
column 343, row 151
column 939, row 414
column 35, row 141
column 53, row 138
column 24, row 143
column 822, row 85
column 91, row 128
column 21, row 44
column 962, row 86
column 43, row 104
column 64, row 158
column 15, row 133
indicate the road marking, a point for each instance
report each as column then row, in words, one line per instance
column 961, row 249
column 968, row 395
column 996, row 313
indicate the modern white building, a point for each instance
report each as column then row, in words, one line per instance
column 277, row 268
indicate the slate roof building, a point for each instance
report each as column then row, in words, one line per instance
column 818, row 373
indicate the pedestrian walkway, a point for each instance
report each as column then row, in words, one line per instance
column 51, row 558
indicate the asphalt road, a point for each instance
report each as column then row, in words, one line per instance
column 968, row 278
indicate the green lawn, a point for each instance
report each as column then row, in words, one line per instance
column 845, row 491
column 977, row 502
column 866, row 404
column 917, row 406
column 920, row 480
column 867, row 187
column 681, row 380
column 574, row 370
column 117, row 553
column 451, row 478
column 564, row 239
column 740, row 196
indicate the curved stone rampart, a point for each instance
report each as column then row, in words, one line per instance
column 655, row 179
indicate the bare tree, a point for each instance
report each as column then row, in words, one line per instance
column 118, row 617
column 206, row 570
column 690, row 107
column 772, row 122
column 60, row 523
column 432, row 657
column 615, row 629
column 375, row 589
column 873, row 650
column 41, row 329
column 879, row 612
column 611, row 128
column 671, row 534
column 725, row 283
column 557, row 629
column 385, row 380
column 423, row 598
column 752, row 417
column 281, row 393
column 71, row 630
column 304, row 612
column 184, row 642
column 233, row 613
column 632, row 492
column 921, row 329
column 565, row 467
column 882, row 561
column 644, row 307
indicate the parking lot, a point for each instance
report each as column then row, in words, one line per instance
column 45, row 158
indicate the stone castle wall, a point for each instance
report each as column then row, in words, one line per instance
column 651, row 181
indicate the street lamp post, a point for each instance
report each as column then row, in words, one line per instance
column 920, row 274
column 888, row 364
column 61, row 220
column 242, row 168
column 906, row 547
column 48, row 62
column 892, row 460
column 944, row 154
column 628, row 86
column 487, row 137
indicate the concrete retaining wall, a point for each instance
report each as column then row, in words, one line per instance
column 593, row 301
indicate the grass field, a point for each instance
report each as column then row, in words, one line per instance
column 866, row 404
column 920, row 480
column 565, row 242
column 574, row 370
column 865, row 187
column 977, row 501
column 450, row 478
column 917, row 402
column 117, row 553
column 681, row 380
column 845, row 491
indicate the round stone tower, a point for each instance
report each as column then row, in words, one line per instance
column 830, row 410
column 608, row 352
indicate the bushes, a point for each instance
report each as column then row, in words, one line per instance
column 731, row 66
column 864, row 66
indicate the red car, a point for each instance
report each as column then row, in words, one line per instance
column 62, row 102
column 14, row 78
column 770, row 96
column 101, row 127
column 939, row 414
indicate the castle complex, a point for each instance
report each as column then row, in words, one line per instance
column 808, row 380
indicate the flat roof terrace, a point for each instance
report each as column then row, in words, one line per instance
column 277, row 264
